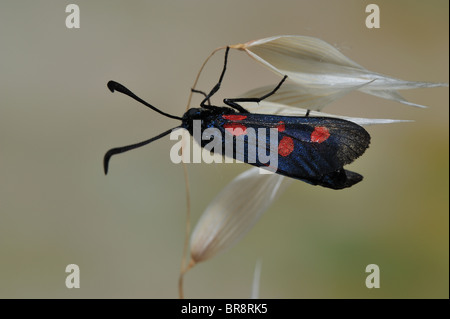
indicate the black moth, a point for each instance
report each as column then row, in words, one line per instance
column 312, row 149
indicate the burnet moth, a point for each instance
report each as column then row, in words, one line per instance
column 311, row 149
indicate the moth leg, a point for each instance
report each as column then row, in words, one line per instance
column 202, row 93
column 233, row 102
column 217, row 86
column 234, row 105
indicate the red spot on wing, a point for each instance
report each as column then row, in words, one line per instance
column 320, row 134
column 235, row 129
column 281, row 127
column 286, row 146
column 234, row 117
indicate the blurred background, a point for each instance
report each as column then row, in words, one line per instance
column 125, row 230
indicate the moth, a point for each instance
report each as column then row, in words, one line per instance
column 311, row 149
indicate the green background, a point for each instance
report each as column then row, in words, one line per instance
column 125, row 230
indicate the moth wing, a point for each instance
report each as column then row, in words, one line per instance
column 306, row 146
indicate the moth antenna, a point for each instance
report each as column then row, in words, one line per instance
column 123, row 149
column 115, row 86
